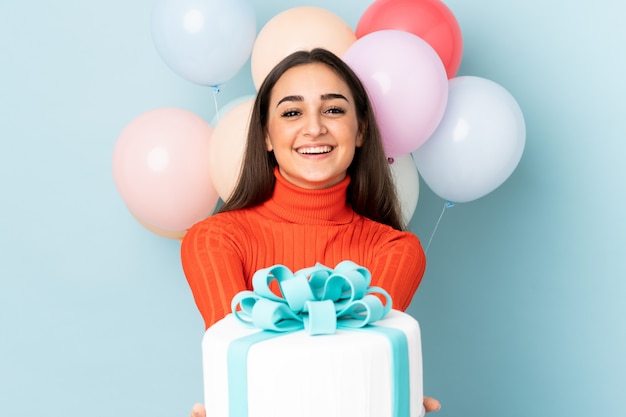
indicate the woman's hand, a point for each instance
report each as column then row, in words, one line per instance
column 198, row 411
column 430, row 404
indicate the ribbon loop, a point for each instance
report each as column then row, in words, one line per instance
column 297, row 292
column 321, row 318
column 317, row 299
column 278, row 317
column 262, row 279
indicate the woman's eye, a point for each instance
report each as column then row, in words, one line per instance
column 335, row 110
column 290, row 113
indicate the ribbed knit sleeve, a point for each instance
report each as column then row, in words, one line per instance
column 212, row 263
column 398, row 266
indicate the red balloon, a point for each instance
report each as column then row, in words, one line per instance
column 431, row 20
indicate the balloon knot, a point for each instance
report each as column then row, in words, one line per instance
column 390, row 160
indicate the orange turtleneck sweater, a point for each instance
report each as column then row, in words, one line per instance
column 297, row 228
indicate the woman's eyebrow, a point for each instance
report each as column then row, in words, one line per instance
column 290, row 98
column 329, row 96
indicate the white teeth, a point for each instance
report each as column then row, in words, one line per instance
column 315, row 150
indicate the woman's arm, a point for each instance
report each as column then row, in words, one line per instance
column 213, row 268
column 397, row 266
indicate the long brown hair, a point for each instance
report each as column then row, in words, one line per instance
column 371, row 192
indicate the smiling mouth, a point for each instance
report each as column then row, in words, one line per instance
column 315, row 150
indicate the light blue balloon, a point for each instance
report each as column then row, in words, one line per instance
column 478, row 143
column 204, row 41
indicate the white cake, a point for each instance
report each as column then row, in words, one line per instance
column 346, row 374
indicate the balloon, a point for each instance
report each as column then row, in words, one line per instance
column 168, row 234
column 227, row 147
column 229, row 106
column 406, row 180
column 299, row 28
column 204, row 41
column 407, row 85
column 431, row 20
column 478, row 143
column 161, row 169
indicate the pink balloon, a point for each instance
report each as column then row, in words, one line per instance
column 161, row 169
column 407, row 84
column 168, row 234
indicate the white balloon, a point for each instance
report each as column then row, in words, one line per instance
column 478, row 143
column 406, row 180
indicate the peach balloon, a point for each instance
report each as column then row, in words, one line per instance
column 161, row 168
column 299, row 28
column 227, row 147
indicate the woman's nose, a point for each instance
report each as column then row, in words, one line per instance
column 314, row 125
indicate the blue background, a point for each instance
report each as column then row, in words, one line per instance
column 522, row 305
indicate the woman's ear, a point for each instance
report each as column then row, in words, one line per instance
column 359, row 140
column 268, row 144
column 360, row 134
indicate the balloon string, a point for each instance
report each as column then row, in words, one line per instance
column 216, row 90
column 445, row 206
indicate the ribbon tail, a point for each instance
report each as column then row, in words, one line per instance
column 237, row 360
column 400, row 368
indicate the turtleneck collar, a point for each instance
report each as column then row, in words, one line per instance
column 326, row 206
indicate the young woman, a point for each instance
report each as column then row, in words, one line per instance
column 315, row 186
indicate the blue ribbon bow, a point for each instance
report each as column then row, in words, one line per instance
column 317, row 299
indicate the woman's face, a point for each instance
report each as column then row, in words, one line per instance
column 312, row 126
